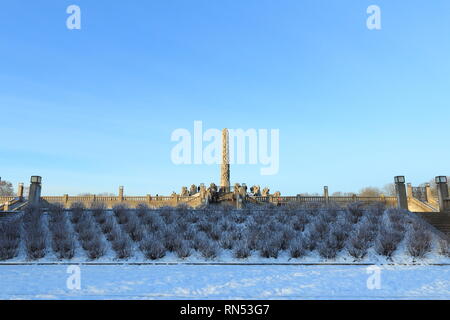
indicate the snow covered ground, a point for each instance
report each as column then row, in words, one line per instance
column 226, row 282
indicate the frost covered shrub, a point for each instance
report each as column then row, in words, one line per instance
column 192, row 217
column 152, row 221
column 181, row 226
column 356, row 248
column 419, row 242
column 300, row 221
column 200, row 240
column 355, row 211
column 98, row 209
column 204, row 226
column 444, row 247
column 298, row 247
column 64, row 249
column 63, row 242
column 152, row 248
column 190, row 233
column 285, row 235
column 77, row 210
column 241, row 250
column 330, row 214
column 9, row 239
column 184, row 249
column 214, row 216
column 94, row 247
column 106, row 225
column 122, row 213
column 182, row 210
column 387, row 242
column 209, row 250
column 395, row 215
column 56, row 212
column 226, row 242
column 376, row 209
column 237, row 234
column 101, row 219
column 270, row 249
column 96, row 251
column 121, row 245
column 320, row 228
column 338, row 237
column 214, row 233
column 167, row 214
column 360, row 241
column 134, row 228
column 35, row 246
column 35, row 235
column 328, row 248
column 89, row 235
column 141, row 210
column 238, row 217
column 170, row 239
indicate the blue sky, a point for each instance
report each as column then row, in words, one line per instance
column 93, row 109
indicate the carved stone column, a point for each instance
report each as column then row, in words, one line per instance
column 225, row 167
column 400, row 189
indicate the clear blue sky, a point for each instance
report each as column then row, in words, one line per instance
column 93, row 109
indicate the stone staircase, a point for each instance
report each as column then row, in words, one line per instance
column 439, row 220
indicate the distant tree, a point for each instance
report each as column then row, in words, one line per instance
column 370, row 192
column 6, row 189
column 342, row 194
column 315, row 194
column 433, row 186
column 389, row 190
column 102, row 194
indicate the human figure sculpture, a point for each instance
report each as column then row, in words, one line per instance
column 184, row 192
column 256, row 190
column 193, row 190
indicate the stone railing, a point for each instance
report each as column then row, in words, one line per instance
column 389, row 201
column 6, row 199
column 132, row 201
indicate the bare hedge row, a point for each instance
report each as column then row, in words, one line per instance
column 210, row 231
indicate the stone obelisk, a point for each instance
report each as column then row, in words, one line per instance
column 225, row 167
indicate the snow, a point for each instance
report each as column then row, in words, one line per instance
column 224, row 282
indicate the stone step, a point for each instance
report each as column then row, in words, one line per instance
column 439, row 220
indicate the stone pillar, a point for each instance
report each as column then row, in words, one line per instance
column 442, row 191
column 409, row 190
column 20, row 191
column 239, row 202
column 66, row 200
column 325, row 194
column 203, row 193
column 400, row 189
column 149, row 198
column 34, row 196
column 225, row 166
column 428, row 192
column 121, row 193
